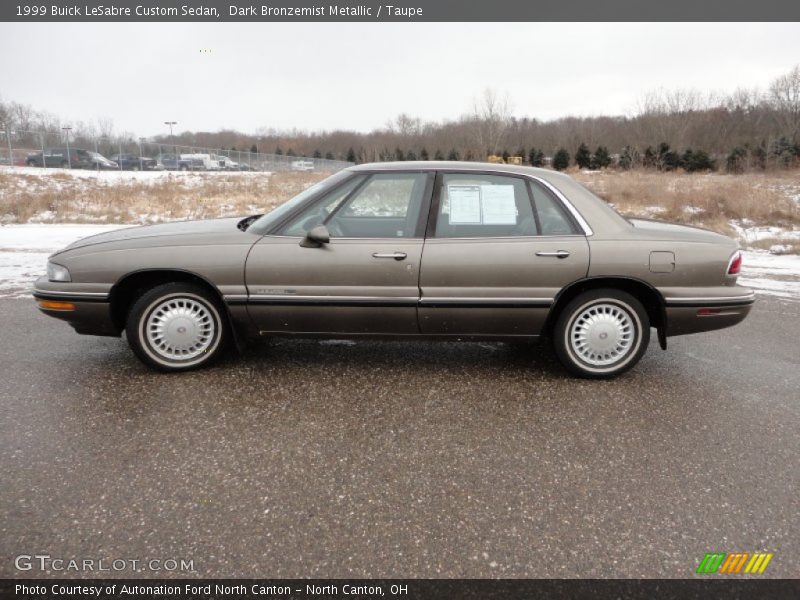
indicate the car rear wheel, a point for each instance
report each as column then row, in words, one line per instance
column 176, row 327
column 601, row 333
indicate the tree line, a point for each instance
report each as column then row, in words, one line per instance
column 679, row 129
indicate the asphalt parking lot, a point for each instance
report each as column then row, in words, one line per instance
column 336, row 459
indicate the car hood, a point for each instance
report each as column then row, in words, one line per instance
column 206, row 226
column 662, row 230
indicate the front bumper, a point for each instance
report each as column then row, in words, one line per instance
column 88, row 312
column 694, row 313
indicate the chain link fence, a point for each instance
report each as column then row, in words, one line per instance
column 61, row 150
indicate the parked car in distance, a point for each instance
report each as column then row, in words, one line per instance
column 133, row 162
column 173, row 162
column 436, row 250
column 302, row 165
column 209, row 162
column 75, row 158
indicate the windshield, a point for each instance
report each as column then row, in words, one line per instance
column 269, row 220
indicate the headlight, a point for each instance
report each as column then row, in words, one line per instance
column 57, row 272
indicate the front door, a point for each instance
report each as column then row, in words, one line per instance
column 499, row 249
column 365, row 280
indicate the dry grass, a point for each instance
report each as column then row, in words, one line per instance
column 706, row 200
column 63, row 197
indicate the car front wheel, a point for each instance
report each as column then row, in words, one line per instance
column 176, row 327
column 601, row 333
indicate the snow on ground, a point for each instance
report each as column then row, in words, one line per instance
column 771, row 274
column 24, row 250
column 37, row 179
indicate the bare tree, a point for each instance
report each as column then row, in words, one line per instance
column 491, row 118
column 785, row 96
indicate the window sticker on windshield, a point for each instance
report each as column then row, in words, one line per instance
column 465, row 204
column 497, row 205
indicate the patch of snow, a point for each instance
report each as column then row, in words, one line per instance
column 777, row 275
column 24, row 250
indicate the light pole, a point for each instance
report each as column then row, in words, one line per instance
column 69, row 158
column 171, row 123
column 141, row 167
column 7, row 127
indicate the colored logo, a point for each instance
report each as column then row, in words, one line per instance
column 735, row 562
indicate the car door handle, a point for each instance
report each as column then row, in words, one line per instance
column 557, row 254
column 394, row 255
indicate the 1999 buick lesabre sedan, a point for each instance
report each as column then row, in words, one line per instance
column 429, row 249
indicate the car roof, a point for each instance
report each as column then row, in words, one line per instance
column 449, row 165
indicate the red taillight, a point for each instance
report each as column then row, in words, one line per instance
column 736, row 264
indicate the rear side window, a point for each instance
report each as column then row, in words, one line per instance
column 478, row 205
column 552, row 217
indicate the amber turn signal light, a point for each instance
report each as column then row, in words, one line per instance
column 55, row 305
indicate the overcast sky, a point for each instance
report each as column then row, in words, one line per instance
column 358, row 76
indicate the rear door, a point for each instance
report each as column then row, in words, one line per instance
column 365, row 281
column 498, row 250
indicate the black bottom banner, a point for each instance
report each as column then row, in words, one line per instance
column 413, row 589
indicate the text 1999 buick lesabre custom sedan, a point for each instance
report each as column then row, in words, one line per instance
column 436, row 250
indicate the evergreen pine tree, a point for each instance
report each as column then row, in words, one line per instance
column 410, row 155
column 423, row 154
column 317, row 153
column 329, row 155
column 278, row 151
column 505, row 155
column 351, row 155
column 399, row 154
column 438, row 155
column 601, row 158
column 536, row 157
column 561, row 160
column 254, row 149
column 583, row 157
column 453, row 155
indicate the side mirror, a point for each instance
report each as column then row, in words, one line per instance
column 316, row 237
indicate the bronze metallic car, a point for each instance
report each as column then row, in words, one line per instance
column 447, row 250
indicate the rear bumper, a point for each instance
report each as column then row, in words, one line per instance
column 87, row 313
column 694, row 314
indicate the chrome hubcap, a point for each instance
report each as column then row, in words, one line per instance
column 180, row 329
column 602, row 334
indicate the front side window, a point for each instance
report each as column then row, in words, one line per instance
column 478, row 205
column 385, row 205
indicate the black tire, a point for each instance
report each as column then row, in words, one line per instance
column 614, row 338
column 202, row 335
column 31, row 163
column 64, row 164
